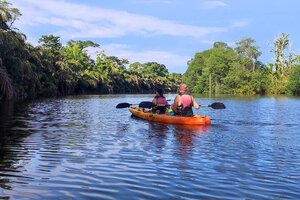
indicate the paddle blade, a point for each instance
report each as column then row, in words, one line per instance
column 146, row 104
column 123, row 105
column 217, row 105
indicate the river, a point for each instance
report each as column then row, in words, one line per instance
column 82, row 147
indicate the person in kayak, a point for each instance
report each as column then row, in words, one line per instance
column 160, row 102
column 184, row 102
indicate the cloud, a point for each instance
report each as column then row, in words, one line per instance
column 240, row 23
column 213, row 4
column 76, row 20
column 153, row 1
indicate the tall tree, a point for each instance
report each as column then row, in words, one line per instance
column 10, row 42
column 280, row 46
column 248, row 52
column 51, row 42
column 283, row 63
column 8, row 15
column 75, row 64
column 213, row 64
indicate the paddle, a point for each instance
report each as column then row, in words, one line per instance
column 124, row 105
column 149, row 104
column 216, row 105
column 143, row 104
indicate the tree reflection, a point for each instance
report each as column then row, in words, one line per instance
column 158, row 135
column 13, row 131
column 6, row 113
column 186, row 135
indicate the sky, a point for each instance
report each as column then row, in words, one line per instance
column 169, row 32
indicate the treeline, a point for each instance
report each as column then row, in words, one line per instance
column 51, row 69
column 226, row 70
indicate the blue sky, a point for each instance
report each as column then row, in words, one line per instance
column 169, row 32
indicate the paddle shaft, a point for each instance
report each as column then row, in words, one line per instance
column 149, row 105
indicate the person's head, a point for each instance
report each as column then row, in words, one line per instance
column 182, row 88
column 160, row 92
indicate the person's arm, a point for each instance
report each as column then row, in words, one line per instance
column 175, row 104
column 195, row 104
column 167, row 104
column 154, row 101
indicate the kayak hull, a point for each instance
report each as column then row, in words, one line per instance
column 168, row 119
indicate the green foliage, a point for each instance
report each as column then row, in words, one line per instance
column 150, row 68
column 280, row 45
column 248, row 53
column 240, row 81
column 6, row 85
column 223, row 70
column 8, row 15
column 76, row 65
column 284, row 67
column 209, row 67
column 293, row 86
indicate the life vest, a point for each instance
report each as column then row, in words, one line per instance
column 186, row 107
column 161, row 105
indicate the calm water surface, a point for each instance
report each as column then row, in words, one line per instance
column 84, row 148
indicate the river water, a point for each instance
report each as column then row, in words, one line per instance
column 84, row 148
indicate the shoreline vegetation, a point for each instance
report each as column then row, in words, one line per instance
column 52, row 69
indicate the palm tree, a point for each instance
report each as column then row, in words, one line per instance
column 10, row 42
column 8, row 15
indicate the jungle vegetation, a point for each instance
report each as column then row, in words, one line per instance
column 53, row 69
column 226, row 70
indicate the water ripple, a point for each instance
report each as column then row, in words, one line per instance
column 84, row 148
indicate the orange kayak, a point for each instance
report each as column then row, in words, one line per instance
column 168, row 119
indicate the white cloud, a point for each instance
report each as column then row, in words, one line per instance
column 76, row 21
column 153, row 1
column 240, row 23
column 213, row 4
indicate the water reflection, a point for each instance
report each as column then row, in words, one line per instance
column 186, row 134
column 158, row 134
column 6, row 113
column 184, row 140
column 13, row 156
column 188, row 141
